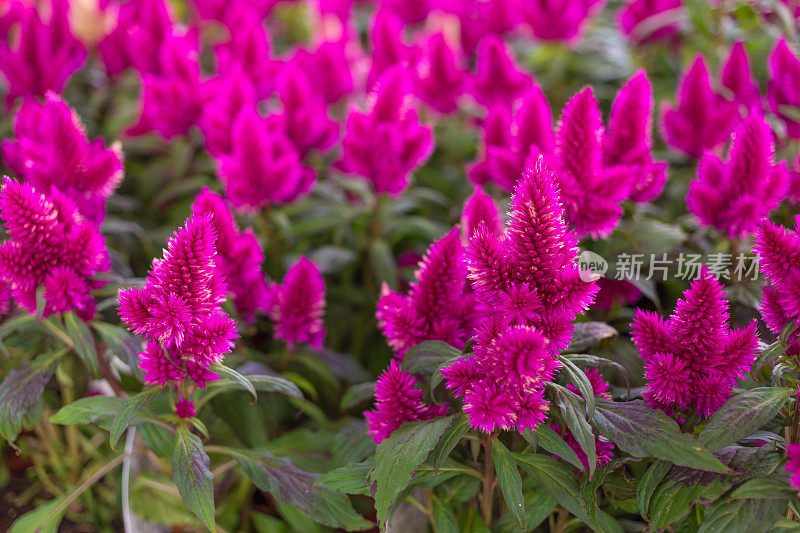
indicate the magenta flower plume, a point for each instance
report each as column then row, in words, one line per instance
column 793, row 463
column 330, row 65
column 437, row 307
column 629, row 138
column 229, row 95
column 591, row 191
column 51, row 150
column 239, row 256
column 734, row 195
column 693, row 359
column 702, row 119
column 439, row 77
column 388, row 49
column 497, row 79
column 43, row 54
column 496, row 134
column 298, row 305
column 386, row 143
column 479, row 18
column 410, row 11
column 397, row 401
column 173, row 99
column 560, row 20
column 784, row 69
column 51, row 245
column 736, row 76
column 184, row 408
column 480, row 209
column 141, row 30
column 178, row 309
column 263, row 167
column 644, row 21
column 219, row 10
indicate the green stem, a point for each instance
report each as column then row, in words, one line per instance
column 487, row 497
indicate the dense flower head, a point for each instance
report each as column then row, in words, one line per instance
column 644, row 21
column 497, row 79
column 388, row 48
column 438, row 306
column 496, row 133
column 736, row 76
column 479, row 18
column 297, row 305
column 239, row 255
column 43, row 53
column 185, row 408
column 141, row 29
column 386, row 143
column 480, row 209
column 52, row 245
column 219, row 10
column 263, row 167
column 329, row 62
column 178, row 310
column 784, row 68
column 734, row 195
column 793, row 463
column 439, row 78
column 559, row 20
column 397, row 401
column 693, row 358
column 702, row 119
column 228, row 96
column 51, row 150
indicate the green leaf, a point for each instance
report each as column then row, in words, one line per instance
column 155, row 499
column 261, row 383
column 444, row 517
column 577, row 377
column 192, row 475
column 648, row 484
column 397, row 457
column 642, row 431
column 426, row 357
column 357, row 394
column 32, row 521
column 538, row 506
column 555, row 444
column 384, row 267
column 83, row 341
column 509, row 480
column 128, row 411
column 570, row 405
column 764, row 488
column 350, row 479
column 588, row 334
column 20, row 395
column 89, row 410
column 119, row 342
column 742, row 516
column 452, row 436
column 742, row 415
column 236, row 377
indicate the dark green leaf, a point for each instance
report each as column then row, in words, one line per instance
column 350, row 479
column 128, row 411
column 33, row 521
column 581, row 382
column 555, row 444
column 192, row 475
column 444, row 517
column 571, row 407
column 82, row 340
column 509, row 480
column 647, row 485
column 236, row 377
column 20, row 394
column 426, row 357
column 764, row 488
column 357, row 394
column 452, row 436
column 88, row 410
column 742, row 516
column 588, row 334
column 261, row 383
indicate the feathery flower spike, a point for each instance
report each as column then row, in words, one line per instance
column 736, row 76
column 645, row 21
column 388, row 49
column 297, row 305
column 497, row 79
column 330, row 64
column 560, row 20
column 480, row 209
column 479, row 18
column 229, row 95
column 784, row 69
column 439, row 78
column 496, row 133
column 141, row 30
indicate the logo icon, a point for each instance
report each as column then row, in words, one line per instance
column 592, row 266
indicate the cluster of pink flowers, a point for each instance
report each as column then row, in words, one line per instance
column 693, row 359
column 51, row 245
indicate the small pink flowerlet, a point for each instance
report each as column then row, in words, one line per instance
column 693, row 358
column 793, row 463
column 734, row 195
column 385, row 144
column 646, row 21
column 51, row 245
column 560, row 20
column 141, row 30
column 703, row 119
column 297, row 305
column 784, row 69
column 397, row 401
column 439, row 75
column 438, row 306
column 497, row 79
column 44, row 53
column 51, row 150
column 736, row 76
column 184, row 408
column 178, row 309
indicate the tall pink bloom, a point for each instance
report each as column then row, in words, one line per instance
column 693, row 358
column 793, row 463
column 228, row 96
column 438, row 306
column 480, row 209
column 397, row 401
column 439, row 75
column 330, row 65
column 479, row 18
column 734, row 195
column 736, row 76
column 43, row 54
column 784, row 69
column 51, row 150
column 629, row 138
column 239, row 255
column 496, row 133
column 297, row 305
column 388, row 48
column 644, row 21
column 142, row 28
column 559, row 20
column 50, row 245
column 497, row 79
column 178, row 309
column 410, row 11
column 220, row 9
column 387, row 142
column 703, row 119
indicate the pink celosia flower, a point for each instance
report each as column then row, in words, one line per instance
column 497, row 79
column 734, row 195
column 644, row 21
column 184, row 408
column 496, row 133
column 263, row 167
column 229, row 95
column 410, row 11
column 629, row 138
column 330, row 67
column 490, row 406
column 736, row 76
column 386, row 143
column 239, row 255
column 51, row 150
column 297, row 305
column 5, row 298
column 793, row 463
column 693, row 359
column 615, row 292
column 794, row 181
column 480, row 209
column 142, row 28
column 784, row 69
column 43, row 53
column 51, row 245
column 559, row 20
column 178, row 309
column 479, row 18
column 173, row 100
column 397, row 401
column 388, row 49
column 702, row 119
column 439, row 76
column 437, row 307
column 220, row 10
